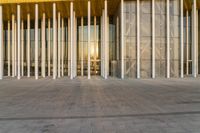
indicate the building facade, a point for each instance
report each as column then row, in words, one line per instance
column 107, row 38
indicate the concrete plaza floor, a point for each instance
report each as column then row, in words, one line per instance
column 99, row 106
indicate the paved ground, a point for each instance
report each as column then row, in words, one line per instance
column 100, row 106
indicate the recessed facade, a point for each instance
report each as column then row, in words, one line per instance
column 108, row 38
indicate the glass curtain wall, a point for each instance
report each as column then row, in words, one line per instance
column 32, row 48
column 94, row 46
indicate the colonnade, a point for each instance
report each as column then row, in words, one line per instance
column 16, row 46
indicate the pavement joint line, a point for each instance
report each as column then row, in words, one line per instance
column 101, row 116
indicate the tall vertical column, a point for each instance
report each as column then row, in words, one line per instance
column 89, row 18
column 194, row 39
column 49, row 47
column 59, row 45
column 62, row 55
column 122, row 39
column 82, row 46
column 54, row 43
column 95, row 44
column 187, row 43
column 117, row 38
column 138, row 39
column 9, row 48
column 182, row 45
column 105, row 40
column 153, row 38
column 168, row 40
column 71, row 39
column 18, row 40
column 1, row 43
column 36, row 41
column 75, row 47
column 28, row 45
column 197, row 41
column 43, row 46
column 22, row 48
column 103, row 45
column 13, row 45
column 15, row 48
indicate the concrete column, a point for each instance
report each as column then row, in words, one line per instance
column 28, row 45
column 103, row 45
column 1, row 42
column 194, row 39
column 49, row 47
column 9, row 48
column 122, row 39
column 117, row 38
column 153, row 39
column 43, row 46
column 95, row 43
column 54, row 43
column 69, row 47
column 197, row 36
column 18, row 40
column 62, row 56
column 82, row 21
column 138, row 39
column 106, row 39
column 182, row 43
column 59, row 45
column 187, row 43
column 168, row 39
column 36, row 41
column 71, row 39
column 13, row 45
column 75, row 47
column 89, row 18
column 22, row 48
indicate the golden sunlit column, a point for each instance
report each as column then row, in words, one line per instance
column 138, row 39
column 49, row 47
column 95, row 42
column 22, row 47
column 28, row 45
column 197, row 37
column 71, row 40
column 122, row 38
column 89, row 18
column 36, row 41
column 59, row 45
column 43, row 46
column 69, row 46
column 18, row 40
column 1, row 42
column 9, row 48
column 62, row 41
column 13, row 45
column 54, row 43
column 194, row 39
